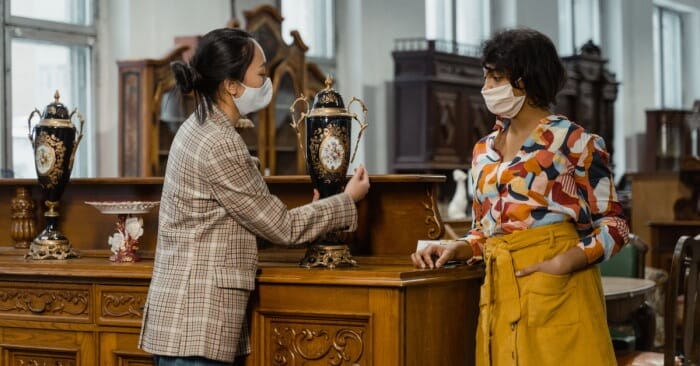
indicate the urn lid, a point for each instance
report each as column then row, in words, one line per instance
column 328, row 102
column 56, row 110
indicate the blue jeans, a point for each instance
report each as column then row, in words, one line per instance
column 193, row 361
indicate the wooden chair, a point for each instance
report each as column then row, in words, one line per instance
column 684, row 274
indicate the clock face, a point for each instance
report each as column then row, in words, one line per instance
column 45, row 159
column 332, row 153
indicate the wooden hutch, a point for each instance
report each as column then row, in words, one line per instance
column 87, row 311
column 670, row 174
column 151, row 110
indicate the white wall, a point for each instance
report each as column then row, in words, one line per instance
column 134, row 29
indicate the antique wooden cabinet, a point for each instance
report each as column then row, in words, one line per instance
column 588, row 97
column 150, row 110
column 87, row 311
column 439, row 112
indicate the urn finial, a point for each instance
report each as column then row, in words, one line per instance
column 56, row 96
column 329, row 81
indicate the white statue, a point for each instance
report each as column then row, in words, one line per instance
column 457, row 209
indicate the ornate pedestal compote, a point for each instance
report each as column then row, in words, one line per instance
column 54, row 140
column 328, row 133
column 129, row 227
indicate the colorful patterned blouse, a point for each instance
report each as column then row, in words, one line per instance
column 560, row 174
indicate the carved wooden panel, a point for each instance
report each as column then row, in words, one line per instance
column 121, row 305
column 38, row 347
column 120, row 349
column 49, row 302
column 38, row 357
column 129, row 127
column 298, row 339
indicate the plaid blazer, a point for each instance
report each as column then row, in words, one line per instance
column 214, row 204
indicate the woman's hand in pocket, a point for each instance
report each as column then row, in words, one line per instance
column 564, row 263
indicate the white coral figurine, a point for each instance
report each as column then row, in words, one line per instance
column 457, row 209
column 124, row 243
column 134, row 227
column 116, row 242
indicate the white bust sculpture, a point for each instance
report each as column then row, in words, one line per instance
column 457, row 209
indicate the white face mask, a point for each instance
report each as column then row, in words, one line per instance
column 254, row 99
column 502, row 102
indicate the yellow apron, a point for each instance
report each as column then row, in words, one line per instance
column 540, row 319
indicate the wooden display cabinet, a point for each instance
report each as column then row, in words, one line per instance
column 148, row 123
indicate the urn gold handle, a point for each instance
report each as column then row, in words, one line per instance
column 78, row 137
column 363, row 124
column 29, row 125
column 297, row 124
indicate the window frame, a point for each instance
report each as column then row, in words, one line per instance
column 17, row 27
column 660, row 58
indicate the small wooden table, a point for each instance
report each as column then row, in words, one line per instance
column 623, row 295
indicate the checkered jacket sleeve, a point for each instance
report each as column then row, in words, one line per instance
column 239, row 187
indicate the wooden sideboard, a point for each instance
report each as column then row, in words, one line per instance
column 87, row 311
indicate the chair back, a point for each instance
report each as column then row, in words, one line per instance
column 629, row 262
column 683, row 279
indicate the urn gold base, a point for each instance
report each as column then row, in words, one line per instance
column 328, row 256
column 51, row 249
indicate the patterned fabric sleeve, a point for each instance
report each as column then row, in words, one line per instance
column 475, row 237
column 240, row 188
column 595, row 184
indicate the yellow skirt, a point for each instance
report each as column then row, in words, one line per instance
column 540, row 319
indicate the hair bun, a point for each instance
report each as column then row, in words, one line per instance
column 186, row 77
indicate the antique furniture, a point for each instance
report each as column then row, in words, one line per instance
column 87, row 311
column 667, row 139
column 439, row 112
column 147, row 101
column 588, row 97
column 681, row 346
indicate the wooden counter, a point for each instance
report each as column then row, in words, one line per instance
column 87, row 311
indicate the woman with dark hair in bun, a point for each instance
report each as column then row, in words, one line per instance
column 545, row 212
column 215, row 204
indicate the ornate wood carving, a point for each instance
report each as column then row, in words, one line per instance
column 39, row 356
column 123, row 305
column 23, row 227
column 44, row 301
column 432, row 219
column 305, row 344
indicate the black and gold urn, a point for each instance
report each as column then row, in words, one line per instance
column 54, row 140
column 328, row 134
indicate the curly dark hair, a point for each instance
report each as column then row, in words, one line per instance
column 528, row 55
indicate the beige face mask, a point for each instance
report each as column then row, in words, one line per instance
column 502, row 102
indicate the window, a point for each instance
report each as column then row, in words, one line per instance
column 667, row 58
column 579, row 22
column 460, row 21
column 314, row 20
column 49, row 46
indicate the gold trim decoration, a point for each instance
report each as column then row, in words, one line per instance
column 432, row 219
column 315, row 142
column 330, row 112
column 328, row 256
column 61, row 123
column 59, row 151
column 51, row 249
